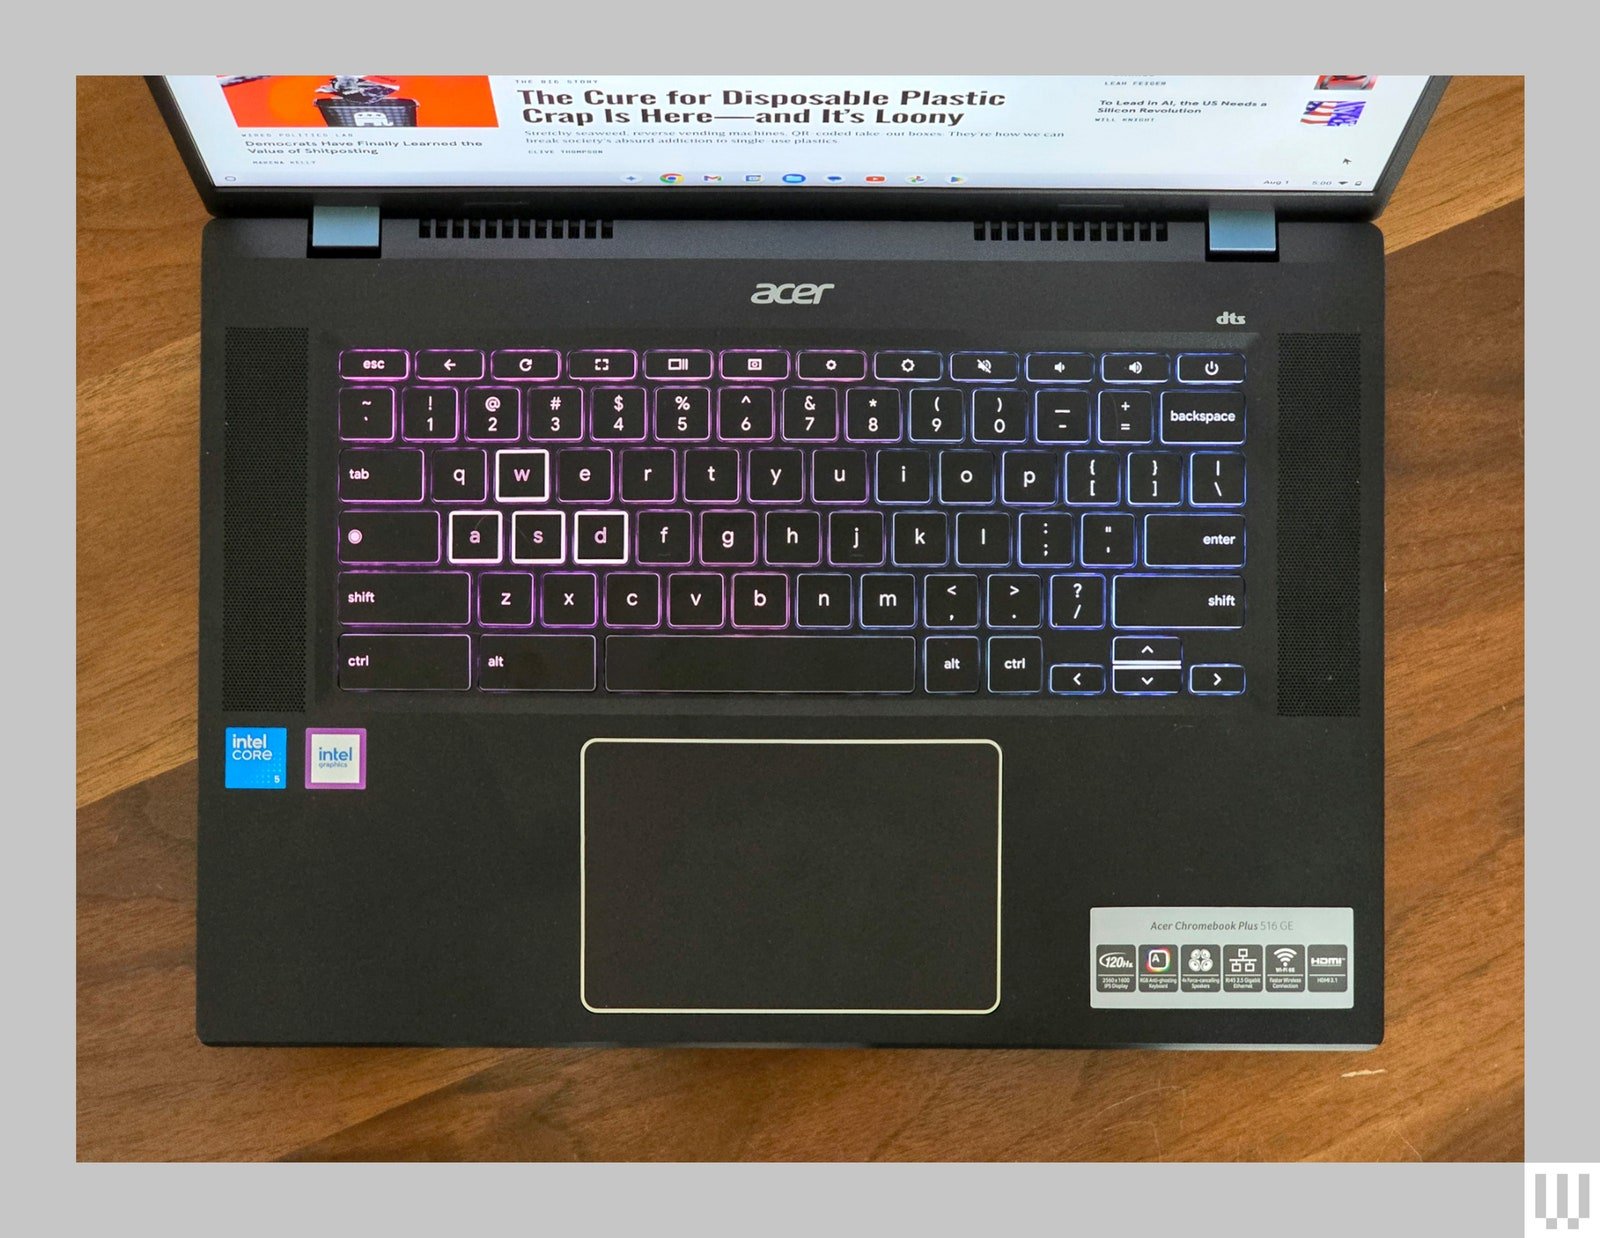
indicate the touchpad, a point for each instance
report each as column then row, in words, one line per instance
column 779, row 876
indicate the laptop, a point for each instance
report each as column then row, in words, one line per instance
column 792, row 560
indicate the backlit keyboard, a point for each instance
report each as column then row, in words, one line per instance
column 792, row 521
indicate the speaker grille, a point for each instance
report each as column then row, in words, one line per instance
column 512, row 228
column 1114, row 230
column 264, row 520
column 1319, row 525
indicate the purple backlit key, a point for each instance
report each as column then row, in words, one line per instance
column 604, row 364
column 755, row 364
column 374, row 364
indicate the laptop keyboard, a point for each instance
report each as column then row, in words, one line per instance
column 792, row 521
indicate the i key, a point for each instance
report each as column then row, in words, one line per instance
column 903, row 477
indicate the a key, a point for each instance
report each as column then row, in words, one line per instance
column 1044, row 540
column 744, row 414
column 1016, row 664
column 379, row 663
column 389, row 537
column 872, row 415
column 950, row 664
column 950, row 600
column 966, row 477
column 683, row 414
column 1060, row 367
column 1176, row 602
column 694, row 600
column 1202, row 417
column 727, row 537
column 380, row 475
column 475, row 537
column 983, row 539
column 983, row 367
column 459, row 476
column 822, row 600
column 756, row 364
column 374, row 364
column 460, row 365
column 607, row 364
column 921, row 539
column 1126, row 417
column 839, row 477
column 999, row 416
column 648, row 476
column 1216, row 679
column 1108, row 540
column 584, row 476
column 538, row 537
column 400, row 599
column 1077, row 601
column 830, row 365
column 1015, row 602
column 902, row 366
column 617, row 413
column 527, row 365
column 937, row 415
column 492, row 415
column 665, row 537
column 1154, row 477
column 555, row 414
column 855, row 539
column 600, row 537
column 1029, row 477
column 633, row 600
column 810, row 415
column 711, row 475
column 1093, row 477
column 776, row 476
column 1135, row 367
column 888, row 600
column 794, row 539
column 366, row 414
column 1217, row 367
column 429, row 415
column 1077, row 679
column 678, row 365
column 522, row 476
column 1193, row 541
column 1061, row 416
column 760, row 600
column 904, row 477
column 567, row 600
column 505, row 599
column 1216, row 479
column 536, row 663
column 757, row 663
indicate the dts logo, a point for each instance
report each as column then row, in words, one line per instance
column 788, row 294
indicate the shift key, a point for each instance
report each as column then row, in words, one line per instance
column 1174, row 602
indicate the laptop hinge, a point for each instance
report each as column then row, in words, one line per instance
column 345, row 231
column 1233, row 235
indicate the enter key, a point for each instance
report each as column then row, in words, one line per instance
column 1193, row 541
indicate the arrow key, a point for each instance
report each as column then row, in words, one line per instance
column 1146, row 680
column 450, row 364
column 1077, row 679
column 1145, row 649
column 1216, row 679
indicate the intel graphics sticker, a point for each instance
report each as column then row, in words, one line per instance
column 257, row 758
column 336, row 760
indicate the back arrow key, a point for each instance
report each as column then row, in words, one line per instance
column 461, row 364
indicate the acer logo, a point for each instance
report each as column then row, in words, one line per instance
column 1229, row 319
column 788, row 294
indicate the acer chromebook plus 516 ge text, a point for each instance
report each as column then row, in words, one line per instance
column 858, row 560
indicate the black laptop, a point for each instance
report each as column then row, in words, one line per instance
column 792, row 560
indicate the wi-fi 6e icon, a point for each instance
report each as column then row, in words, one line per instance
column 1285, row 955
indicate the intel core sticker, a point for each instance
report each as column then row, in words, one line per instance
column 257, row 758
column 336, row 760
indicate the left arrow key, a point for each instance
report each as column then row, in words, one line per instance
column 450, row 364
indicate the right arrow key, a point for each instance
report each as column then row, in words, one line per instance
column 1216, row 679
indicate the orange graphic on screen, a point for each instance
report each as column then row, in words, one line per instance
column 361, row 101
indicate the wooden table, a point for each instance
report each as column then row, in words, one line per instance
column 1445, row 1085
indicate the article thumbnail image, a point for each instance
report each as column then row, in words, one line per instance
column 357, row 100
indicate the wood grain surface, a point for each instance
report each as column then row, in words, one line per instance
column 1445, row 1085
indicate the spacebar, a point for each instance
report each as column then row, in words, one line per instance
column 761, row 663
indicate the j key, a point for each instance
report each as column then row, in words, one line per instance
column 1154, row 477
column 762, row 365
column 402, row 598
column 678, row 365
column 1216, row 367
column 611, row 364
column 839, row 477
column 776, row 476
column 1016, row 664
column 855, row 538
column 380, row 476
column 1146, row 680
column 538, row 537
column 1093, row 477
column 492, row 414
column 984, row 367
column 429, row 414
column 711, row 476
column 694, row 600
column 888, row 600
column 1029, row 477
column 522, row 476
column 1135, row 367
column 794, row 539
column 536, row 663
column 810, row 415
column 584, row 476
column 908, row 366
column 1108, row 540
column 1126, row 417
column 966, row 477
column 822, row 600
column 555, row 414
column 372, row 663
column 1175, row 602
column 755, row 663
column 633, row 600
column 727, row 537
column 1202, row 417
column 567, row 600
column 983, row 539
column 760, row 600
column 617, row 413
column 366, row 414
column 389, row 537
column 475, row 537
column 1194, row 541
column 921, row 539
column 1060, row 367
column 1216, row 679
column 1216, row 479
column 951, row 601
column 463, row 365
column 373, row 363
column 904, row 477
column 648, row 476
column 936, row 415
column 1077, row 601
column 830, row 366
column 1044, row 541
column 999, row 416
column 744, row 414
column 529, row 365
column 665, row 537
column 600, row 537
column 1061, row 416
column 1168, row 649
column 505, row 599
column 459, row 476
column 1015, row 602
column 683, row 414
column 1078, row 679
column 950, row 664
column 872, row 415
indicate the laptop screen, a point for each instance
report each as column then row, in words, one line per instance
column 1312, row 134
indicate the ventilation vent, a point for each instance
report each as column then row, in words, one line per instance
column 1319, row 525
column 1104, row 230
column 500, row 228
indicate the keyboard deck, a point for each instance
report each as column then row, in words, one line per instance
column 792, row 521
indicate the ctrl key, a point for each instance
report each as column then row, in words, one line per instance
column 391, row 663
column 536, row 663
